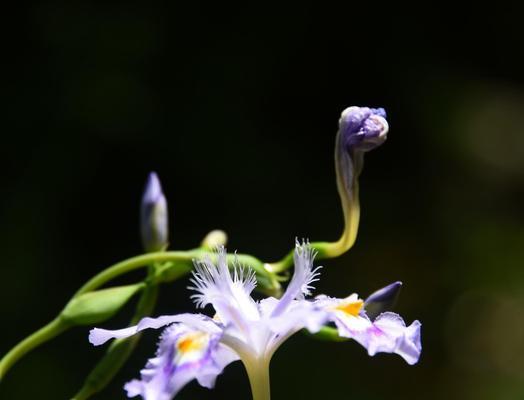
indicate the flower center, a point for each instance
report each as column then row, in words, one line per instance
column 350, row 307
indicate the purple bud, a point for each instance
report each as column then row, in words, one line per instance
column 153, row 216
column 363, row 128
column 382, row 300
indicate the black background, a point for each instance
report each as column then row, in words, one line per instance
column 236, row 108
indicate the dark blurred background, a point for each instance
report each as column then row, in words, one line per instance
column 236, row 108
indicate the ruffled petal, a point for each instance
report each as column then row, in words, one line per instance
column 183, row 354
column 386, row 334
column 391, row 335
column 99, row 336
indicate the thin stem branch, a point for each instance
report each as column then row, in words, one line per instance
column 131, row 264
column 267, row 278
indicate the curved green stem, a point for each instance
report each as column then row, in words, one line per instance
column 47, row 332
column 348, row 166
column 267, row 279
column 327, row 249
column 131, row 264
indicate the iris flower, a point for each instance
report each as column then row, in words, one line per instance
column 196, row 346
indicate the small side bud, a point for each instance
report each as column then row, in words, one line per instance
column 382, row 300
column 153, row 216
column 214, row 239
column 363, row 128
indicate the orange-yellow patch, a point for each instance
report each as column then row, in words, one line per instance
column 350, row 308
column 191, row 342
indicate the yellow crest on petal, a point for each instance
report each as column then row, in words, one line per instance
column 193, row 341
column 350, row 306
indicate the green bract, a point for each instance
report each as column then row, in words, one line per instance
column 99, row 305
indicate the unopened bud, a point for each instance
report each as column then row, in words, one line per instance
column 363, row 128
column 382, row 300
column 153, row 216
column 214, row 239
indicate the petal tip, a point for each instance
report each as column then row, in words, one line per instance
column 98, row 336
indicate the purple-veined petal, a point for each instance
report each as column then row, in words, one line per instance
column 99, row 336
column 183, row 354
column 386, row 334
column 391, row 335
column 222, row 357
column 351, row 327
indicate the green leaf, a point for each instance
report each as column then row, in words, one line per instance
column 99, row 305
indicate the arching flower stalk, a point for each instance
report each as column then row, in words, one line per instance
column 196, row 346
column 360, row 129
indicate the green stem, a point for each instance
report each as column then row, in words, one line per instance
column 348, row 167
column 258, row 373
column 266, row 278
column 131, row 264
column 327, row 249
column 47, row 332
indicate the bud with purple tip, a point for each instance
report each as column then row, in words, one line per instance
column 360, row 129
column 382, row 300
column 363, row 128
column 153, row 216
